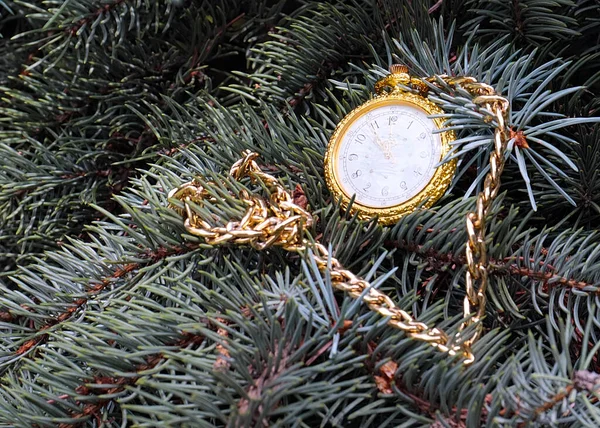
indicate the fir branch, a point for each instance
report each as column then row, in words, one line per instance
column 548, row 387
column 549, row 279
column 553, row 401
column 73, row 97
column 268, row 378
column 527, row 21
column 101, row 387
column 301, row 39
column 441, row 262
column 582, row 381
column 390, row 380
column 105, row 8
column 40, row 337
column 153, row 104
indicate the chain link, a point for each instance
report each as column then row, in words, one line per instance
column 278, row 221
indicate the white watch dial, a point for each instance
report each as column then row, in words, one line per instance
column 388, row 155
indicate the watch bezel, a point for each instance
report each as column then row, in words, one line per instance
column 431, row 193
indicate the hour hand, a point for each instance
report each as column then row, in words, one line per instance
column 379, row 142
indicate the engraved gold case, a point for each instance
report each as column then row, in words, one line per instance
column 387, row 157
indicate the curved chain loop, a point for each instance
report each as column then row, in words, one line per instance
column 275, row 222
column 278, row 221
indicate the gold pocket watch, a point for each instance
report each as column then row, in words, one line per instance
column 385, row 153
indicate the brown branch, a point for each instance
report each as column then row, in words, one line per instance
column 222, row 362
column 220, row 32
column 103, row 173
column 546, row 276
column 583, row 381
column 77, row 304
column 172, row 150
column 557, row 398
column 387, row 380
column 106, row 8
column 518, row 15
column 263, row 381
column 435, row 7
column 303, row 92
column 443, row 261
column 322, row 74
column 115, row 385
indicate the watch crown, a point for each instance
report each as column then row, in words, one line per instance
column 398, row 68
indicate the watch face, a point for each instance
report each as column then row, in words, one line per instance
column 387, row 154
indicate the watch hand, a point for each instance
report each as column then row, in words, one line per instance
column 395, row 142
column 378, row 141
column 388, row 155
column 387, row 151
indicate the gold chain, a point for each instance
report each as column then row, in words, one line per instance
column 476, row 277
column 278, row 221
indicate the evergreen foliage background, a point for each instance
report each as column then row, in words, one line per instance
column 111, row 315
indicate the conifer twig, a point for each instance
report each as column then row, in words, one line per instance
column 583, row 381
column 153, row 256
column 440, row 261
column 115, row 385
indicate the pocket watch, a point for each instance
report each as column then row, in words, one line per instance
column 385, row 155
